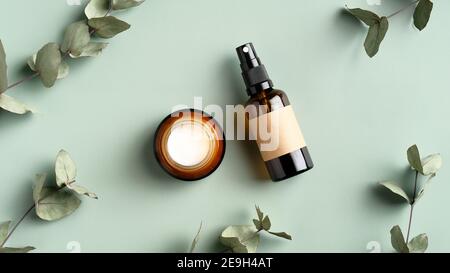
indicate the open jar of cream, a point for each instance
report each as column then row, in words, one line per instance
column 189, row 144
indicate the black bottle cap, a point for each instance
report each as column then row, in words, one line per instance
column 253, row 71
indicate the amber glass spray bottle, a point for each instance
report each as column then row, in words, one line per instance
column 270, row 108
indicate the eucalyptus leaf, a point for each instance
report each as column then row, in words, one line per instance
column 108, row 27
column 55, row 204
column 366, row 16
column 250, row 245
column 48, row 60
column 65, row 169
column 420, row 195
column 3, row 69
column 257, row 224
column 398, row 241
column 431, row 164
column 12, row 105
column 31, row 61
column 97, row 8
column 4, row 228
column 375, row 36
column 77, row 36
column 234, row 245
column 125, row 4
column 418, row 244
column 39, row 182
column 240, row 239
column 63, row 70
column 422, row 14
column 281, row 235
column 81, row 190
column 266, row 223
column 259, row 213
column 92, row 49
column 414, row 158
column 422, row 191
column 396, row 189
column 12, row 250
column 195, row 241
column 66, row 172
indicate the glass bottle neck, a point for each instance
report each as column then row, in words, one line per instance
column 255, row 89
column 261, row 93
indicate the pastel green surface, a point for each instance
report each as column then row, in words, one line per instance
column 358, row 115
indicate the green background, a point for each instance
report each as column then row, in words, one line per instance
column 359, row 115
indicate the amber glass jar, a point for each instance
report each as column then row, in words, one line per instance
column 189, row 144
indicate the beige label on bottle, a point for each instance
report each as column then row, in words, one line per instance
column 277, row 133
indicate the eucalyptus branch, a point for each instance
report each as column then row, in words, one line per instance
column 16, row 225
column 379, row 25
column 49, row 62
column 244, row 238
column 427, row 167
column 60, row 200
column 66, row 54
column 28, row 78
column 23, row 218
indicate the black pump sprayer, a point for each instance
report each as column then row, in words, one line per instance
column 253, row 71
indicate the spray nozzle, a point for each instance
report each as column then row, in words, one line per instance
column 253, row 71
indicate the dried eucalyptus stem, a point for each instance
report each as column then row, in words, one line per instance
column 28, row 78
column 49, row 62
column 23, row 218
column 244, row 238
column 51, row 203
column 379, row 25
column 427, row 167
column 16, row 225
column 35, row 74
